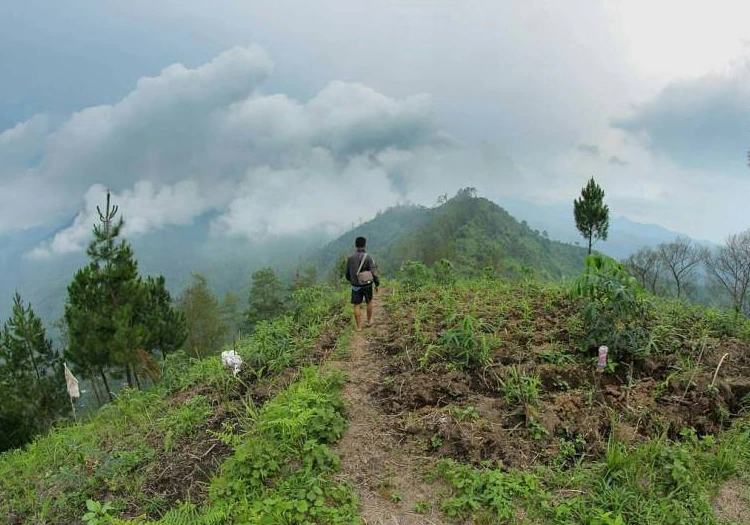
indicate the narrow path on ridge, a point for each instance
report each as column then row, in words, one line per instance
column 387, row 476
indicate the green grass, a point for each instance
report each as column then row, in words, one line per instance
column 277, row 464
column 519, row 388
column 343, row 343
column 108, row 462
column 654, row 483
column 281, row 470
column 667, row 478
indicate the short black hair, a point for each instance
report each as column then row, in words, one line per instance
column 360, row 242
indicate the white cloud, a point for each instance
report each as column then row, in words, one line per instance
column 158, row 132
column 699, row 123
column 703, row 36
column 192, row 141
column 145, row 208
column 306, row 198
column 209, row 140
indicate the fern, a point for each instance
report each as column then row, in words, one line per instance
column 189, row 514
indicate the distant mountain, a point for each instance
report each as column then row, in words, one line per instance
column 625, row 236
column 471, row 232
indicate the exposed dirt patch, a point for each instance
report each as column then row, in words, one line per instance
column 385, row 471
column 327, row 340
column 466, row 414
column 416, row 389
column 183, row 472
column 732, row 504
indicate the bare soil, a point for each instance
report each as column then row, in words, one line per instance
column 463, row 414
column 184, row 472
column 732, row 504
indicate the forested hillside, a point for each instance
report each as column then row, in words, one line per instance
column 473, row 233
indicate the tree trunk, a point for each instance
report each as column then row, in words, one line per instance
column 106, row 384
column 33, row 361
column 95, row 388
column 589, row 244
column 137, row 381
column 129, row 376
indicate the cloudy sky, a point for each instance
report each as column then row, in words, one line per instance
column 289, row 116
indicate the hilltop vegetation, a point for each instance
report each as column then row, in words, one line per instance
column 493, row 383
column 473, row 233
column 498, row 383
column 201, row 435
column 483, row 364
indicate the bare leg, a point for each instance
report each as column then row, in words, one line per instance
column 369, row 313
column 358, row 317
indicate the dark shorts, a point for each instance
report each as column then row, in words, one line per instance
column 363, row 294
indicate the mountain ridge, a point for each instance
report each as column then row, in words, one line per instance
column 177, row 251
column 473, row 233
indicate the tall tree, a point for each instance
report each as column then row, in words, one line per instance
column 304, row 278
column 681, row 258
column 232, row 315
column 31, row 377
column 266, row 297
column 206, row 330
column 107, row 311
column 591, row 214
column 16, row 417
column 729, row 265
column 166, row 327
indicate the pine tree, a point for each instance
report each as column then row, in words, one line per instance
column 591, row 214
column 206, row 330
column 166, row 327
column 232, row 315
column 31, row 377
column 115, row 319
column 16, row 418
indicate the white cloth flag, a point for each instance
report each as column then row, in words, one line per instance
column 72, row 383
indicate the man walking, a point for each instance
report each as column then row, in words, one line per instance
column 362, row 273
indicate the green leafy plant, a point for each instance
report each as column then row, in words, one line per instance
column 467, row 343
column 444, row 272
column 489, row 488
column 520, row 389
column 614, row 308
column 465, row 414
column 415, row 274
column 556, row 357
column 421, row 507
column 98, row 513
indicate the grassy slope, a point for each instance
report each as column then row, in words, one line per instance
column 202, row 436
column 210, row 448
column 473, row 233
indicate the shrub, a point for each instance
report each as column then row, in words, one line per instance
column 415, row 275
column 614, row 308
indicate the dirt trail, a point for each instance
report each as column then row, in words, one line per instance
column 387, row 476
